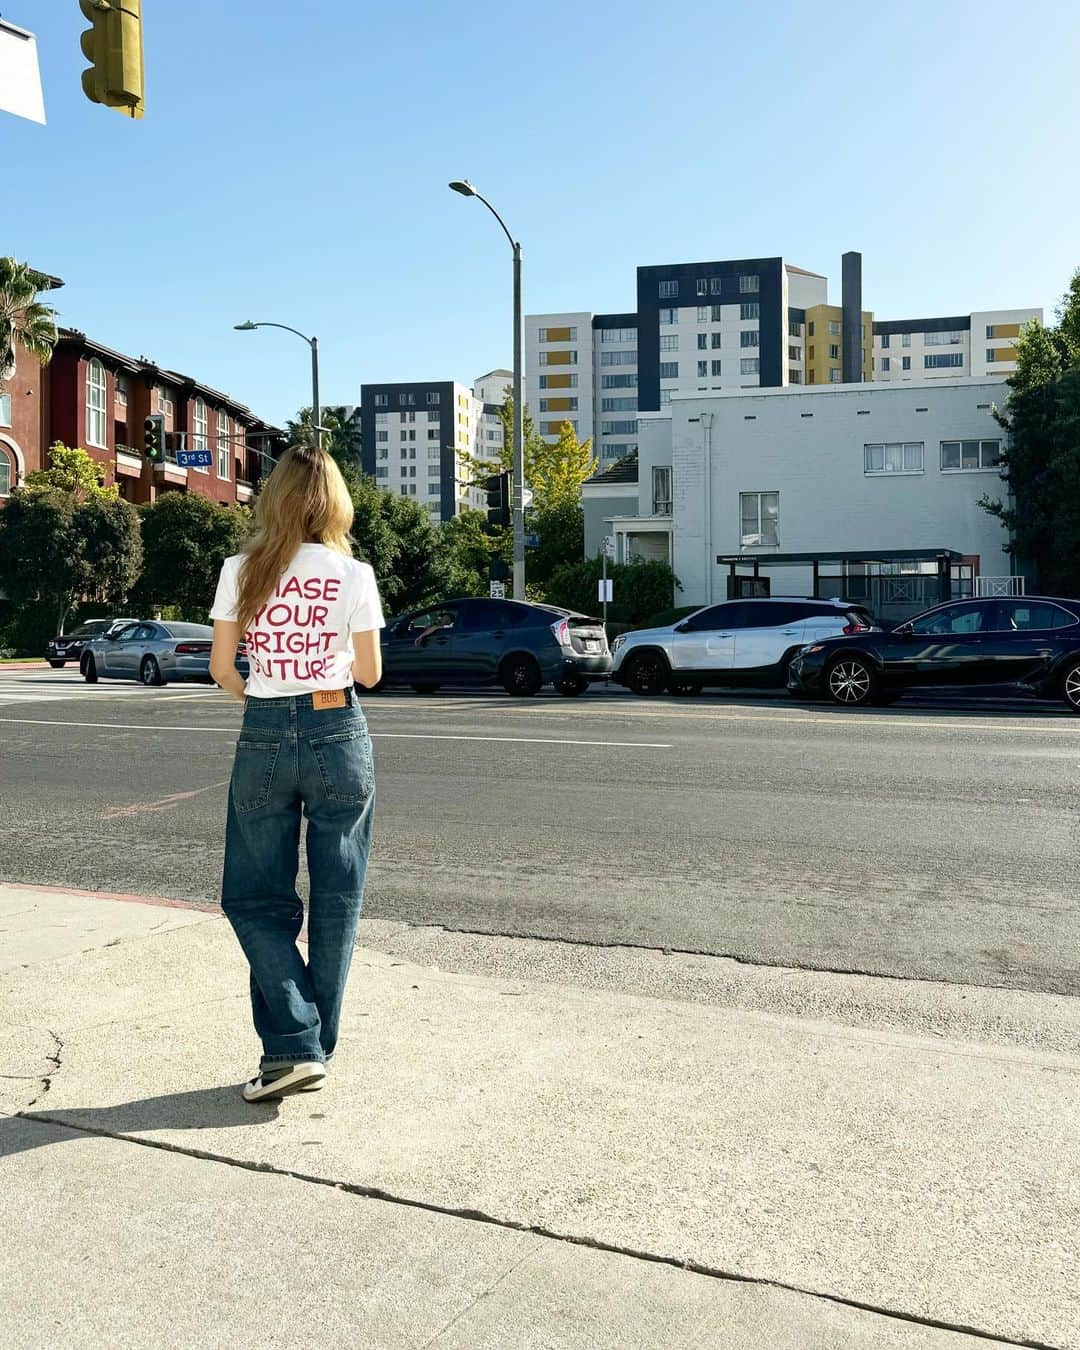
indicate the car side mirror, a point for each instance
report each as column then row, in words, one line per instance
column 905, row 630
column 682, row 628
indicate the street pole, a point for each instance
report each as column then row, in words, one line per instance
column 519, row 439
column 316, row 412
column 603, row 567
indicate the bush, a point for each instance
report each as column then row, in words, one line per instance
column 639, row 589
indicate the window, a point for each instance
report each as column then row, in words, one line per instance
column 884, row 363
column 810, row 329
column 570, row 381
column 5, row 410
column 224, row 457
column 618, row 334
column 434, row 452
column 434, row 489
column 95, row 404
column 750, row 309
column 541, row 335
column 810, row 350
column 834, row 351
column 661, row 490
column 618, row 405
column 668, row 290
column 759, row 515
column 794, row 376
column 670, row 343
column 953, row 338
column 702, row 342
column 382, row 435
column 5, row 473
column 571, row 405
column 715, row 368
column 794, row 353
column 382, row 452
column 669, row 316
column 885, row 341
column 561, row 358
column 716, row 287
column 714, row 340
column 433, row 433
column 794, row 328
column 749, row 285
column 618, row 381
column 665, row 398
column 905, row 340
column 893, row 457
column 702, row 313
column 433, row 400
column 618, row 358
column 381, row 419
column 905, row 362
column 406, row 400
column 749, row 365
column 669, row 370
column 1026, row 616
column 749, row 337
column 942, row 360
column 703, row 289
column 702, row 369
column 834, row 328
column 381, row 471
column 408, row 489
column 122, row 390
column 618, row 428
column 836, row 376
column 717, row 313
column 381, row 400
column 200, row 425
column 973, row 617
column 959, row 455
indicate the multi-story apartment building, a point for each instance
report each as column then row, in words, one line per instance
column 417, row 437
column 94, row 397
column 745, row 323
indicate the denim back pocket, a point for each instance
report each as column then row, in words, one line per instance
column 345, row 765
column 253, row 772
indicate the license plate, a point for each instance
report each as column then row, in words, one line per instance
column 592, row 645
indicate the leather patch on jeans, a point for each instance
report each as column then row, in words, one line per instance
column 328, row 698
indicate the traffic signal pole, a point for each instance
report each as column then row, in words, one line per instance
column 519, row 438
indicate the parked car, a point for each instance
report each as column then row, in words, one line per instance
column 482, row 642
column 153, row 652
column 1031, row 643
column 69, row 646
column 740, row 642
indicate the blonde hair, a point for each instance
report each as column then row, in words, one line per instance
column 304, row 501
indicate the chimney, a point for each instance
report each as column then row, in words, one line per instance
column 851, row 317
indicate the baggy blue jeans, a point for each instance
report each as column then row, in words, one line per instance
column 293, row 759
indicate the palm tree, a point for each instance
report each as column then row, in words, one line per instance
column 24, row 321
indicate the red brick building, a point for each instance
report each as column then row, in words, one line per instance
column 97, row 398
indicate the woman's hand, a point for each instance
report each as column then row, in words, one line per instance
column 367, row 658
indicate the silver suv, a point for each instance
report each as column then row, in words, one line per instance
column 738, row 642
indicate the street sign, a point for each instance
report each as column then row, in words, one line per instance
column 526, row 497
column 20, row 78
column 607, row 546
column 194, row 459
column 604, row 591
column 532, row 541
column 498, row 590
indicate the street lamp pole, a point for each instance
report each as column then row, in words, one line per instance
column 466, row 189
column 313, row 342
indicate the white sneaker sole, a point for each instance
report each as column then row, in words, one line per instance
column 302, row 1077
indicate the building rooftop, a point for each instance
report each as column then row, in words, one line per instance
column 624, row 470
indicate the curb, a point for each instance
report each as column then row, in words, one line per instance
column 161, row 901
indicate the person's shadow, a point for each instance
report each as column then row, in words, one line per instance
column 205, row 1109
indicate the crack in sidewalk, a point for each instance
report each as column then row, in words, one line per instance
column 46, row 1079
column 512, row 1225
column 482, row 1294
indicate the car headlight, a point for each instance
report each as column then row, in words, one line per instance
column 619, row 642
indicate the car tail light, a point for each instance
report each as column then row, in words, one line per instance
column 561, row 629
column 192, row 648
column 855, row 625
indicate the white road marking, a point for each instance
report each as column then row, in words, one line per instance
column 162, row 803
column 375, row 735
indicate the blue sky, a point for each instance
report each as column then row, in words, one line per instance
column 293, row 164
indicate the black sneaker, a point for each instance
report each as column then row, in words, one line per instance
column 273, row 1084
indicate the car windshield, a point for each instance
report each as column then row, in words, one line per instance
column 89, row 628
column 188, row 630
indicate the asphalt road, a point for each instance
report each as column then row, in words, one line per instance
column 934, row 841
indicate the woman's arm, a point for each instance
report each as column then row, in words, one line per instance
column 223, row 658
column 367, row 658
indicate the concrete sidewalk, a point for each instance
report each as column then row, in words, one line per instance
column 510, row 1163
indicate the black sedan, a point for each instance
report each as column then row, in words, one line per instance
column 483, row 642
column 1031, row 643
column 69, row 646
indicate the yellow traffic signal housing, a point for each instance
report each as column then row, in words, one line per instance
column 113, row 46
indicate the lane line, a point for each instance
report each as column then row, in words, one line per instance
column 375, row 735
column 161, row 804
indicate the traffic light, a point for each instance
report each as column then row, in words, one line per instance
column 114, row 48
column 154, row 438
column 498, row 498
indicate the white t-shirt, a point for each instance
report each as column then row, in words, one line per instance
column 301, row 639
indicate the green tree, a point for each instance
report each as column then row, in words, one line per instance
column 72, row 470
column 470, row 544
column 186, row 538
column 1041, row 460
column 24, row 321
column 111, row 548
column 395, row 535
column 561, row 528
column 341, row 434
column 639, row 589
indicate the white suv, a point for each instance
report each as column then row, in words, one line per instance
column 739, row 642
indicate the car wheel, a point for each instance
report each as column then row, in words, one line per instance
column 521, row 675
column 685, row 687
column 423, row 688
column 57, row 665
column 648, row 675
column 572, row 687
column 1070, row 687
column 88, row 668
column 851, row 683
column 150, row 672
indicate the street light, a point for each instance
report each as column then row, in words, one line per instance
column 313, row 342
column 518, row 476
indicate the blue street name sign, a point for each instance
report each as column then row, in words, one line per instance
column 532, row 541
column 194, row 459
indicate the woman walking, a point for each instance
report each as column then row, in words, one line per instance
column 310, row 616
